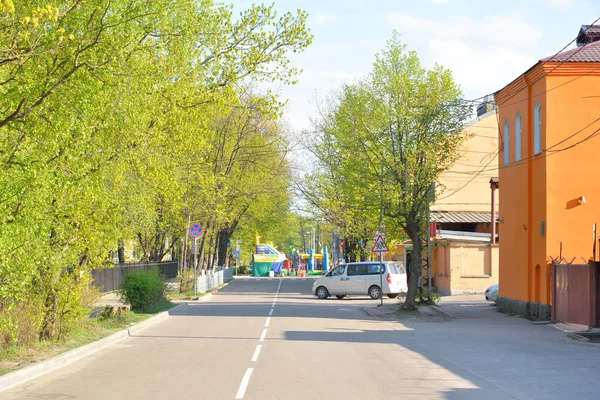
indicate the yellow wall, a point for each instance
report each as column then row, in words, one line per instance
column 465, row 269
column 461, row 269
column 544, row 188
column 454, row 192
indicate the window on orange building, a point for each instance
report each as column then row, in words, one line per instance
column 537, row 128
column 518, row 133
column 506, row 142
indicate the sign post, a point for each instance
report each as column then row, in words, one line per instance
column 237, row 252
column 380, row 248
column 195, row 230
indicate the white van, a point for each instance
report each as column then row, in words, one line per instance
column 361, row 278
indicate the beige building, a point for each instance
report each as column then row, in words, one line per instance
column 466, row 186
column 464, row 260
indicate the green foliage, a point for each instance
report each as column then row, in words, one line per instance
column 242, row 270
column 383, row 143
column 142, row 289
column 119, row 121
column 428, row 299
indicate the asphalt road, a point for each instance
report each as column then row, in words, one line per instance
column 270, row 339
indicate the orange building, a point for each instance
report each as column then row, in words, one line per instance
column 549, row 119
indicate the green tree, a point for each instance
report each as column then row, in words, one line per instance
column 101, row 102
column 388, row 138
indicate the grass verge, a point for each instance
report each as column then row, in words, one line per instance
column 13, row 357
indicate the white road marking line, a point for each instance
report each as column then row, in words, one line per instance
column 256, row 352
column 271, row 312
column 279, row 286
column 268, row 321
column 275, row 300
column 244, row 384
column 262, row 337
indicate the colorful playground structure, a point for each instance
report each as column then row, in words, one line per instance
column 267, row 258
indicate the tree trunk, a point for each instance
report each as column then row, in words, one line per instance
column 211, row 247
column 224, row 236
column 121, row 252
column 414, row 267
column 48, row 327
column 354, row 250
column 202, row 249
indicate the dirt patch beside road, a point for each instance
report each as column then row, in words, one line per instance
column 391, row 312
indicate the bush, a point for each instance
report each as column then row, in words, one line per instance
column 142, row 289
column 242, row 270
column 426, row 298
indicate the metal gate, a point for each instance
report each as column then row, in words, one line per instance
column 575, row 293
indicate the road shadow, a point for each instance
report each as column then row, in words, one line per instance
column 261, row 309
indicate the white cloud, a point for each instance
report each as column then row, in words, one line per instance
column 494, row 30
column 323, row 18
column 484, row 54
column 480, row 70
column 340, row 76
column 562, row 4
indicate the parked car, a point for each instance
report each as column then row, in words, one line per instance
column 491, row 294
column 361, row 278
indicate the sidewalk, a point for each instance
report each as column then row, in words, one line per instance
column 479, row 314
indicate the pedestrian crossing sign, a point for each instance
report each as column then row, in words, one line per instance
column 379, row 246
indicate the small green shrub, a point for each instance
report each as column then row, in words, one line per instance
column 242, row 270
column 429, row 299
column 142, row 289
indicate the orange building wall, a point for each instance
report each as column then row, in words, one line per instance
column 573, row 106
column 516, row 194
column 537, row 207
column 545, row 187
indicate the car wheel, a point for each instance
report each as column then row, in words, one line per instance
column 322, row 292
column 374, row 292
column 392, row 296
column 339, row 296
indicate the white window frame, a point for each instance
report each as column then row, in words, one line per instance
column 518, row 136
column 537, row 128
column 506, row 142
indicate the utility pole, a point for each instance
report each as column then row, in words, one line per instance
column 380, row 228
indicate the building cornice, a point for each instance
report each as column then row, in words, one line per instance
column 540, row 71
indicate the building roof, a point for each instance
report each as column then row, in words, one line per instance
column 464, row 236
column 469, row 217
column 587, row 50
column 587, row 53
column 588, row 34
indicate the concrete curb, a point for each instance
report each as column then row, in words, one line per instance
column 575, row 336
column 26, row 374
column 368, row 312
column 438, row 309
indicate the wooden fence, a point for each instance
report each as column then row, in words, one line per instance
column 110, row 279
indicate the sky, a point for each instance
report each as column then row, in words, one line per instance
column 486, row 44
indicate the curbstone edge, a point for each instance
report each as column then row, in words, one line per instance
column 26, row 374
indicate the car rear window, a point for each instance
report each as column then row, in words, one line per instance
column 396, row 268
column 374, row 269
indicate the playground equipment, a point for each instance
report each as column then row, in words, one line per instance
column 266, row 258
column 312, row 257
